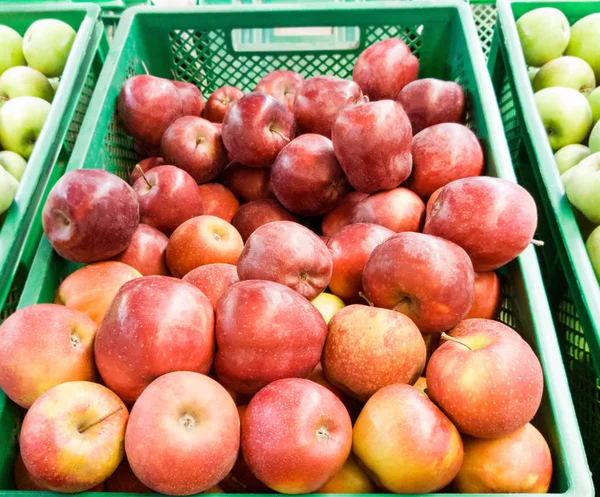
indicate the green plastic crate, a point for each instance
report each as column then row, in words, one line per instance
column 198, row 45
column 572, row 287
column 19, row 234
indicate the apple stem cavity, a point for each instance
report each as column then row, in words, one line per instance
column 141, row 171
column 452, row 339
column 363, row 296
column 106, row 416
column 537, row 243
column 323, row 434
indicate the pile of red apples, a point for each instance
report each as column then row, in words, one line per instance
column 294, row 292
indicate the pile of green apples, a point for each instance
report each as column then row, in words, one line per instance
column 30, row 69
column 564, row 68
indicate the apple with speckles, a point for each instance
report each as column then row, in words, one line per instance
column 257, row 213
column 213, row 279
column 283, row 85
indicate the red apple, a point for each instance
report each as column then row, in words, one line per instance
column 213, row 279
column 307, row 178
column 432, row 101
column 247, row 183
column 218, row 103
column 398, row 210
column 202, row 240
column 255, row 129
column 217, row 200
column 350, row 248
column 417, row 452
column 183, row 434
column 253, row 215
column 296, row 435
column 42, row 346
column 443, row 153
column 168, row 196
column 72, row 436
column 282, row 85
column 91, row 289
column 487, row 379
column 265, row 331
column 144, row 166
column 341, row 216
column 518, row 463
column 384, row 68
column 319, row 101
column 431, row 202
column 429, row 279
column 368, row 348
column 155, row 325
column 147, row 106
column 90, row 215
column 123, row 480
column 488, row 296
column 146, row 252
column 287, row 253
column 492, row 219
column 192, row 100
column 372, row 143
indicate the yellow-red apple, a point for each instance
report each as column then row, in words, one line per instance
column 217, row 200
column 213, row 279
column 350, row 479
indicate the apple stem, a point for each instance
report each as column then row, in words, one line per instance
column 145, row 68
column 141, row 171
column 280, row 134
column 173, row 73
column 452, row 339
column 362, row 295
column 537, row 243
column 114, row 411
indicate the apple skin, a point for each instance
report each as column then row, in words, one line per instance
column 265, row 331
column 443, row 153
column 569, row 156
column 431, row 101
column 13, row 164
column 350, row 479
column 8, row 190
column 218, row 103
column 202, row 240
column 282, row 85
column 328, row 305
column 398, row 210
column 56, row 453
column 319, row 101
column 217, row 200
column 92, row 288
column 12, row 49
column 585, row 41
column 192, row 100
column 429, row 279
column 384, row 68
column 582, row 184
column 25, row 82
column 253, row 215
column 213, row 279
column 42, row 346
column 167, row 196
column 255, row 129
column 403, row 454
column 182, row 409
column 341, row 216
column 46, row 46
column 382, row 161
column 492, row 219
column 296, row 435
column 287, row 253
column 147, row 106
column 566, row 115
column 594, row 101
column 21, row 122
column 194, row 145
column 491, row 390
column 488, row 296
column 566, row 72
column 247, row 183
column 123, row 480
column 517, row 463
column 594, row 140
column 593, row 248
column 368, row 348
column 350, row 249
column 306, row 176
column 544, row 35
column 90, row 215
column 155, row 325
column 146, row 252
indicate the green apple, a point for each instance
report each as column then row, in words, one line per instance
column 593, row 248
column 46, row 46
column 21, row 121
column 569, row 156
column 582, row 186
column 594, row 141
column 568, row 72
column 585, row 41
column 22, row 81
column 544, row 35
column 594, row 101
column 11, row 52
column 8, row 190
column 54, row 83
column 531, row 72
column 566, row 115
column 13, row 164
